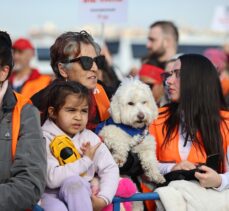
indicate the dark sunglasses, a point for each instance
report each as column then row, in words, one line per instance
column 166, row 75
column 87, row 62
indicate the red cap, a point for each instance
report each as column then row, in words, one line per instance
column 151, row 71
column 22, row 44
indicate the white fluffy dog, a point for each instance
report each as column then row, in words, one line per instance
column 132, row 109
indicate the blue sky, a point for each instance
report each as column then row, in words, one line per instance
column 17, row 16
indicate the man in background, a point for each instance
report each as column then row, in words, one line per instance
column 25, row 79
column 151, row 75
column 162, row 43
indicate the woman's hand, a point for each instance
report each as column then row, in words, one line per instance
column 209, row 179
column 184, row 165
column 98, row 203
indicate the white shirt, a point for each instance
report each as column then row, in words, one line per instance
column 184, row 152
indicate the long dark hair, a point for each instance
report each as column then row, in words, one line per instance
column 198, row 110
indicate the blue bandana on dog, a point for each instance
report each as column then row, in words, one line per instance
column 128, row 129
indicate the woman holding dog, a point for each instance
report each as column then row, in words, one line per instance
column 76, row 56
column 195, row 124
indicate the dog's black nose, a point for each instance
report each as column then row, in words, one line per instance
column 140, row 116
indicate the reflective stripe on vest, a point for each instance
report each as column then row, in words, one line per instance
column 102, row 102
column 16, row 120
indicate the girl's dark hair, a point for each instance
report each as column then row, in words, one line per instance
column 6, row 57
column 198, row 110
column 68, row 44
column 57, row 92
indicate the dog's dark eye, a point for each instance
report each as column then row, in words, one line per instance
column 144, row 102
column 131, row 103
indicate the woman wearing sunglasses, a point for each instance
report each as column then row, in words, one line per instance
column 75, row 56
column 195, row 124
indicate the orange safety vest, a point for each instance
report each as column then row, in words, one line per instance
column 16, row 120
column 33, row 86
column 102, row 102
column 170, row 153
column 225, row 86
column 150, row 204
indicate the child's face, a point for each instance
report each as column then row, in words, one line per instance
column 73, row 116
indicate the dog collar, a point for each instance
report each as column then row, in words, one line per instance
column 140, row 138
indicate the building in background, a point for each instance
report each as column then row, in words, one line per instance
column 127, row 45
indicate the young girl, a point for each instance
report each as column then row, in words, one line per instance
column 68, row 177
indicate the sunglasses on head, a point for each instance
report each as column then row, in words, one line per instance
column 166, row 75
column 86, row 62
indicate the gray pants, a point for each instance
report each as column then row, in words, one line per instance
column 74, row 195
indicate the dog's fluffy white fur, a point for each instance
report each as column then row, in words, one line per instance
column 133, row 105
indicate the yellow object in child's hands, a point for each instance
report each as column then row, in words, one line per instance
column 64, row 150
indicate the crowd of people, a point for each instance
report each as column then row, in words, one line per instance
column 49, row 153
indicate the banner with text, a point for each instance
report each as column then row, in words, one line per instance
column 221, row 19
column 102, row 11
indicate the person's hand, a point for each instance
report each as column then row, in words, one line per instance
column 95, row 186
column 98, row 203
column 89, row 150
column 184, row 165
column 209, row 179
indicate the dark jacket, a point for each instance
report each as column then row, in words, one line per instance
column 22, row 181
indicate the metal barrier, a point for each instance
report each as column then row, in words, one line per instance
column 37, row 208
column 135, row 197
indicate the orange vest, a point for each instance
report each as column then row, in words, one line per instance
column 16, row 120
column 33, row 86
column 225, row 86
column 150, row 204
column 170, row 153
column 102, row 102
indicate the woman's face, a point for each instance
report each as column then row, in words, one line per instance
column 76, row 72
column 173, row 81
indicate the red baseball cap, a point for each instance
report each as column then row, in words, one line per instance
column 151, row 71
column 22, row 44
